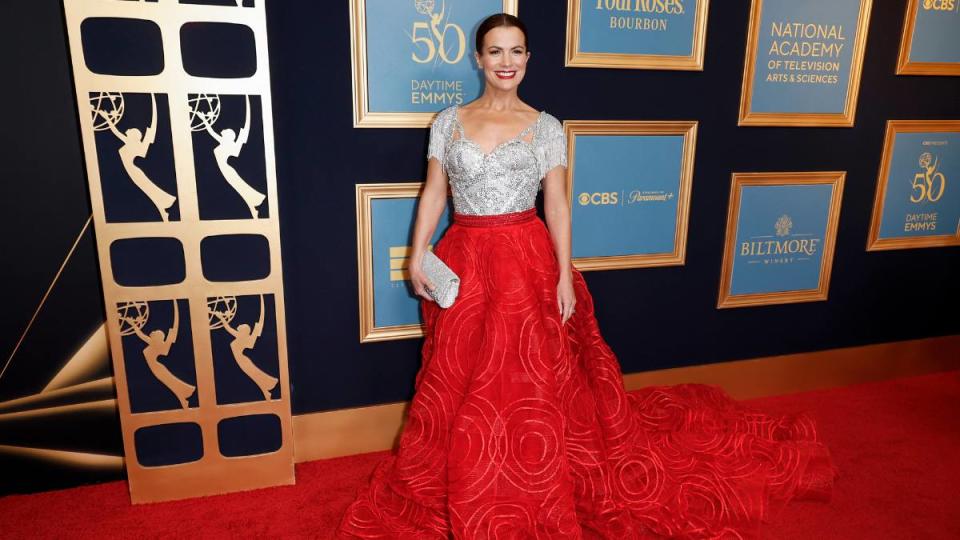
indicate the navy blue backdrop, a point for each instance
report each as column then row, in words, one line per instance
column 652, row 318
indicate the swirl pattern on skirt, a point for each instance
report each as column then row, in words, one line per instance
column 520, row 427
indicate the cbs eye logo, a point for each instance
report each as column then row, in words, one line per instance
column 599, row 198
column 939, row 5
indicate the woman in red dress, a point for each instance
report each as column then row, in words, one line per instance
column 520, row 426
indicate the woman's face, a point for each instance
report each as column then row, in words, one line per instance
column 504, row 58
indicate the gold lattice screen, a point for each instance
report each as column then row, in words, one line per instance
column 175, row 113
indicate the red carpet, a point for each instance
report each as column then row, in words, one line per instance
column 894, row 443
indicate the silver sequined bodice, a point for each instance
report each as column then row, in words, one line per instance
column 505, row 180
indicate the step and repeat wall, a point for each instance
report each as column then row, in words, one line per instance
column 785, row 158
column 746, row 178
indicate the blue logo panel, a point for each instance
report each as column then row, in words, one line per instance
column 659, row 28
column 921, row 196
column 420, row 54
column 780, row 238
column 392, row 220
column 804, row 56
column 625, row 194
column 935, row 35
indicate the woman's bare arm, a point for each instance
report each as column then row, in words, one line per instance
column 557, row 211
column 433, row 201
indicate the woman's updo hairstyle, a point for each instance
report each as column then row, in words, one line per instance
column 496, row 20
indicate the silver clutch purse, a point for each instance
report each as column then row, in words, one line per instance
column 446, row 282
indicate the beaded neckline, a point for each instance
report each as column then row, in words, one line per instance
column 518, row 137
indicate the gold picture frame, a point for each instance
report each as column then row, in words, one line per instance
column 574, row 57
column 366, row 193
column 845, row 119
column 738, row 181
column 686, row 129
column 362, row 116
column 907, row 67
column 894, row 127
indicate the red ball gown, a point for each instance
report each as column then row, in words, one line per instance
column 520, row 426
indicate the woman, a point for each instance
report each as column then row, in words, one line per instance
column 520, row 426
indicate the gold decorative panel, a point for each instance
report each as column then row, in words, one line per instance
column 175, row 113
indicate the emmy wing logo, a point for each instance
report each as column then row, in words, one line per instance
column 436, row 42
column 926, row 188
column 108, row 109
column 434, row 38
column 222, row 312
column 204, row 113
column 929, row 184
column 133, row 318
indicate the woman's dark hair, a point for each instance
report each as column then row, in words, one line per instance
column 494, row 21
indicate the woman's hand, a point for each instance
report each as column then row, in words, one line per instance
column 565, row 297
column 418, row 278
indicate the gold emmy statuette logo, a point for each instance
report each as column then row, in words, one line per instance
column 929, row 184
column 107, row 109
column 221, row 311
column 133, row 316
column 435, row 38
column 204, row 112
column 783, row 225
column 940, row 5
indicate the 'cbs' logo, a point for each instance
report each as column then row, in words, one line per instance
column 939, row 5
column 606, row 197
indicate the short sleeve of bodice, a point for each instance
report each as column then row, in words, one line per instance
column 552, row 145
column 440, row 131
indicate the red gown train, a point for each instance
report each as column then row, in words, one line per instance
column 520, row 427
